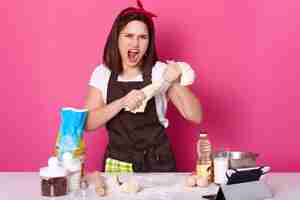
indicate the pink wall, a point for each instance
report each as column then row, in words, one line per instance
column 246, row 55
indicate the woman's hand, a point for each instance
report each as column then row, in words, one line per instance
column 173, row 72
column 134, row 99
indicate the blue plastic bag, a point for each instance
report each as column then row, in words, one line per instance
column 70, row 135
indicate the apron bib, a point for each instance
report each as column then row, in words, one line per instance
column 138, row 139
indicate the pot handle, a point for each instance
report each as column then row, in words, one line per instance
column 265, row 169
column 229, row 172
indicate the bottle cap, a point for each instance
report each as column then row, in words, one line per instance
column 74, row 166
column 67, row 156
column 70, row 163
column 53, row 162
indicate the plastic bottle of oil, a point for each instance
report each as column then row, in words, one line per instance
column 205, row 157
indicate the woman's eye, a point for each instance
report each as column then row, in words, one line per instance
column 144, row 37
column 128, row 36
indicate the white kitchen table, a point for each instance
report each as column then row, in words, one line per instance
column 157, row 186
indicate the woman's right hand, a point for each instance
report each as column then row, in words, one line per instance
column 134, row 99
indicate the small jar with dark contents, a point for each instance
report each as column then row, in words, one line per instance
column 53, row 179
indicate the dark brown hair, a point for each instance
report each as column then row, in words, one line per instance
column 111, row 54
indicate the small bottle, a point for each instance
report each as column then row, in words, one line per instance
column 205, row 157
column 73, row 166
column 221, row 165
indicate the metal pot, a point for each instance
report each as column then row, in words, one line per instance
column 239, row 159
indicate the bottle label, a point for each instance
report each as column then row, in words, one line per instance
column 204, row 170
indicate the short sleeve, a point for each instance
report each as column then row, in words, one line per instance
column 188, row 75
column 99, row 79
column 157, row 75
column 158, row 70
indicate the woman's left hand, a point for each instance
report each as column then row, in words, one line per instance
column 173, row 72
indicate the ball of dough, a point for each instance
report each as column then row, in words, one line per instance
column 100, row 191
column 131, row 186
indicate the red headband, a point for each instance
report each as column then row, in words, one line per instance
column 141, row 10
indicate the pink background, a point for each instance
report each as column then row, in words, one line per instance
column 245, row 53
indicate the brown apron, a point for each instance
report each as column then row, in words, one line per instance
column 138, row 138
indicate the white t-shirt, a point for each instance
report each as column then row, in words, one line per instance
column 101, row 75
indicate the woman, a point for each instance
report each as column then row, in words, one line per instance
column 137, row 141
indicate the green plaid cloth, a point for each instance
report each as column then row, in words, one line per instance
column 112, row 165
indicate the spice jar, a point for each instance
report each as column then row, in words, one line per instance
column 53, row 179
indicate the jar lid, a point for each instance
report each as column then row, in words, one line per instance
column 53, row 169
column 203, row 132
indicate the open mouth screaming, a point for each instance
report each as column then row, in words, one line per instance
column 133, row 56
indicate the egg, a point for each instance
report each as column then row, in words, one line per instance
column 202, row 181
column 191, row 181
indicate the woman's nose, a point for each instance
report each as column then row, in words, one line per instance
column 135, row 42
